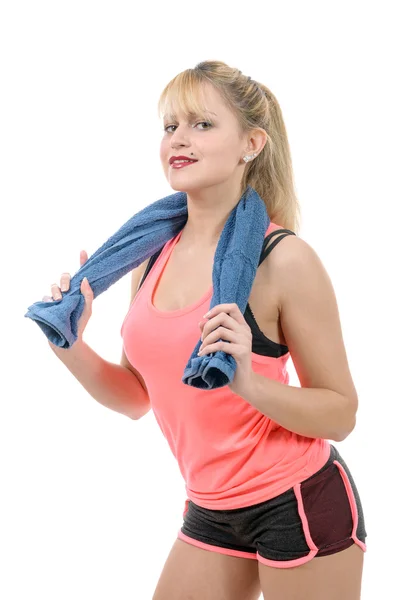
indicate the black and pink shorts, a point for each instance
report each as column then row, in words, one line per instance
column 319, row 516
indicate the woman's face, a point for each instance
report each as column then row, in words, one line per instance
column 216, row 145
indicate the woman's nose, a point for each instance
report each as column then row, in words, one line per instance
column 178, row 142
column 179, row 138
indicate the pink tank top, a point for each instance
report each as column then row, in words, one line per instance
column 230, row 454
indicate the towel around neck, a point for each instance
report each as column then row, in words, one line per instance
column 235, row 265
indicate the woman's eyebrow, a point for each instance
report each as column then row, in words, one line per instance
column 191, row 115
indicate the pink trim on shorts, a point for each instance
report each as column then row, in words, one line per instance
column 313, row 548
column 286, row 564
column 353, row 505
column 212, row 548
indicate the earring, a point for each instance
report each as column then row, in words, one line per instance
column 247, row 158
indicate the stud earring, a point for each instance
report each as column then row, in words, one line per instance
column 247, row 158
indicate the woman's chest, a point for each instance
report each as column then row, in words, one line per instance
column 184, row 280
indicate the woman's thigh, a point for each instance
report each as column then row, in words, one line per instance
column 191, row 572
column 334, row 577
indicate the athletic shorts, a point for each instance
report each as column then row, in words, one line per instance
column 317, row 517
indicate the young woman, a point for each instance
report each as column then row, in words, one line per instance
column 271, row 505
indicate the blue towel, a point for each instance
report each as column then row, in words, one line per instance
column 235, row 265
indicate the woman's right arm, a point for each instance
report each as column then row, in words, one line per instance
column 114, row 386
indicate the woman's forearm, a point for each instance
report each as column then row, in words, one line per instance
column 112, row 385
column 312, row 412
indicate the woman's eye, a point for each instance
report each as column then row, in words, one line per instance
column 200, row 123
column 204, row 123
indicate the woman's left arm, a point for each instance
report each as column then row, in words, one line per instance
column 325, row 405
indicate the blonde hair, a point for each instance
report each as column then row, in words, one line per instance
column 271, row 172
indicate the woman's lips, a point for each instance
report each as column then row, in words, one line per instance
column 181, row 165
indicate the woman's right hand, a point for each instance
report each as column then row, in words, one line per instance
column 86, row 290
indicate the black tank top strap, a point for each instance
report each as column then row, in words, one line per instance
column 151, row 262
column 267, row 249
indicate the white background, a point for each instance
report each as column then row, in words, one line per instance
column 91, row 501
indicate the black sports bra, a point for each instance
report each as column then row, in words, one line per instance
column 261, row 344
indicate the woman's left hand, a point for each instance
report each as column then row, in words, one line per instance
column 226, row 322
